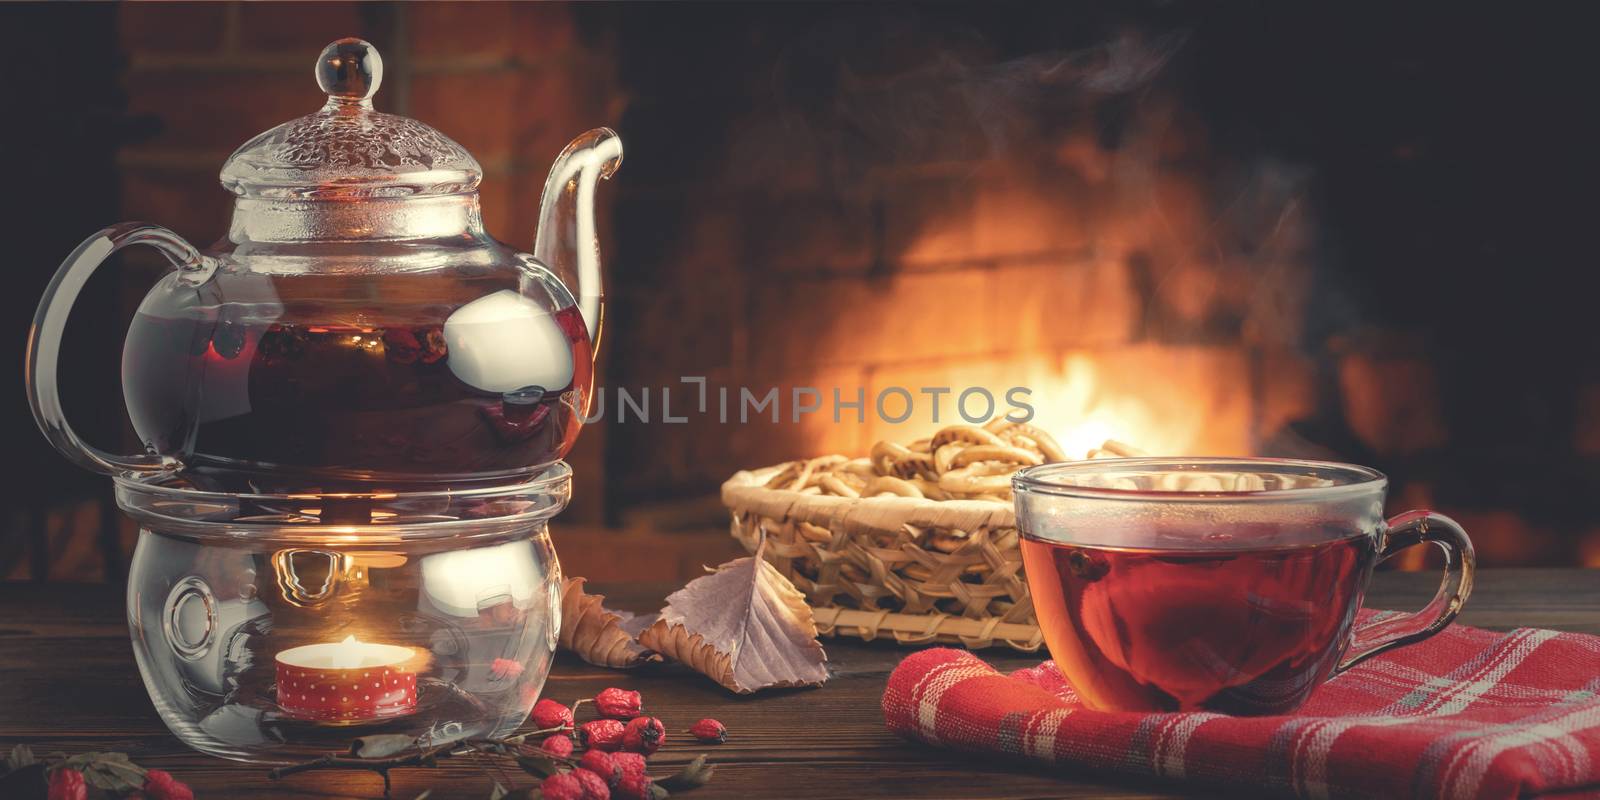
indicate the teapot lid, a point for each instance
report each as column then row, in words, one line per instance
column 347, row 149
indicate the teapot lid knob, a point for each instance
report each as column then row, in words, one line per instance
column 348, row 149
column 350, row 70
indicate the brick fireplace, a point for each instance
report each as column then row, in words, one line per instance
column 1113, row 207
column 1125, row 210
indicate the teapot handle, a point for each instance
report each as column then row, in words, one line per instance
column 44, row 338
column 567, row 242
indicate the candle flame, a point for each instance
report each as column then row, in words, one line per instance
column 347, row 655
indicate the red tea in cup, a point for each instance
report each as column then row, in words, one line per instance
column 1240, row 631
column 1152, row 597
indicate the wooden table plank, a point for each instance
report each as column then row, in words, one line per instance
column 68, row 682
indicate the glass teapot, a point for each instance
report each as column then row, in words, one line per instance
column 356, row 323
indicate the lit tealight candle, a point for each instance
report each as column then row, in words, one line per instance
column 347, row 681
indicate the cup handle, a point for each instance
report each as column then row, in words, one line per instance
column 44, row 338
column 1406, row 530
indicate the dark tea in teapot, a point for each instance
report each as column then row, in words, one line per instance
column 424, row 392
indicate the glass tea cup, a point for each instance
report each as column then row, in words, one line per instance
column 1220, row 584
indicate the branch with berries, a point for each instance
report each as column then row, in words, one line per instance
column 58, row 776
column 613, row 761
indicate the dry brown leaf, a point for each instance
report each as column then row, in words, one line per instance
column 596, row 633
column 745, row 626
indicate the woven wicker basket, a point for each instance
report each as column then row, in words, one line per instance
column 923, row 571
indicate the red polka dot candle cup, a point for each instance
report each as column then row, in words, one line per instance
column 348, row 681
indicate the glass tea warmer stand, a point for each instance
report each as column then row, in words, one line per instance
column 277, row 626
column 353, row 409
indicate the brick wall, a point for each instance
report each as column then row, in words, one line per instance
column 1108, row 276
column 844, row 197
column 857, row 197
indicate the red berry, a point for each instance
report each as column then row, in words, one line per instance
column 634, row 786
column 503, row 668
column 571, row 321
column 401, row 346
column 561, row 786
column 160, row 785
column 594, row 786
column 602, row 734
column 709, row 731
column 618, row 703
column 548, row 714
column 629, row 763
column 557, row 745
column 644, row 735
column 603, row 764
column 431, row 339
column 67, row 784
column 228, row 339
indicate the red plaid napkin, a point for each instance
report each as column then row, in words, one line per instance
column 1469, row 713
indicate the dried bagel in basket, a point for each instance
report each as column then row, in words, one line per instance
column 914, row 541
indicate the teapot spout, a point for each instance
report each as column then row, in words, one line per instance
column 567, row 241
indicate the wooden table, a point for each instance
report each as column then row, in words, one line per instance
column 68, row 682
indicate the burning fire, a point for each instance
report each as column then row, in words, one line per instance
column 1081, row 412
column 1163, row 400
